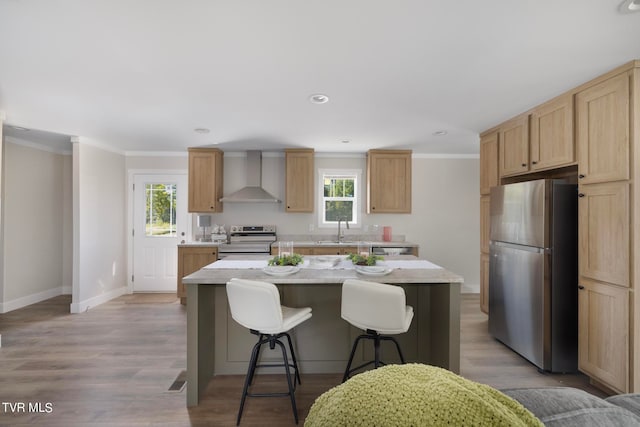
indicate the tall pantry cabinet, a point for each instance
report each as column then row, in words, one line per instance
column 590, row 134
column 604, row 125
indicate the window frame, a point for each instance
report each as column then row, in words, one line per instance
column 357, row 196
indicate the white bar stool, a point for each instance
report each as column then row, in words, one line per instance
column 380, row 310
column 256, row 306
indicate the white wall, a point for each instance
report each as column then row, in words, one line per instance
column 35, row 214
column 99, row 238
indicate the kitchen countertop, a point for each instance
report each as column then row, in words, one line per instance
column 350, row 243
column 315, row 243
column 328, row 275
column 189, row 244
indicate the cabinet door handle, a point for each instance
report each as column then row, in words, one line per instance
column 581, row 176
column 524, row 165
column 534, row 162
column 580, row 287
column 580, row 194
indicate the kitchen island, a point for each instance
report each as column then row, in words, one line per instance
column 217, row 345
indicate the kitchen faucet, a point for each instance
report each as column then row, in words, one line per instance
column 339, row 233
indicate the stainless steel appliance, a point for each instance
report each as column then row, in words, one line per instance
column 533, row 294
column 392, row 250
column 248, row 240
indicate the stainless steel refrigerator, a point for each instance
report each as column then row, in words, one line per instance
column 533, row 271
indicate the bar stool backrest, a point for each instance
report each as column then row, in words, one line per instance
column 255, row 305
column 376, row 306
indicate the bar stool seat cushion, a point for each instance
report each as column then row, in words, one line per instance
column 416, row 395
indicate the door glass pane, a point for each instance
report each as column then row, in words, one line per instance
column 160, row 210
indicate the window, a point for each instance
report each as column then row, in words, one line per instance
column 339, row 196
column 161, row 210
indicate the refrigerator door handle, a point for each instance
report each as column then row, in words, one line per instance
column 521, row 247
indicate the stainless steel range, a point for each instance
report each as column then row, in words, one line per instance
column 248, row 240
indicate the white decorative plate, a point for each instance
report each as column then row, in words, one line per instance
column 373, row 270
column 281, row 270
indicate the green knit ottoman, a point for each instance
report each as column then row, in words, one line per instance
column 416, row 395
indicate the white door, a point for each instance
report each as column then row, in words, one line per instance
column 159, row 222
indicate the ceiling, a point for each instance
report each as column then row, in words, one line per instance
column 140, row 76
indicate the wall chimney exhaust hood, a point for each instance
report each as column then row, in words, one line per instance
column 253, row 192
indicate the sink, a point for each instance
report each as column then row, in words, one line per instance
column 332, row 242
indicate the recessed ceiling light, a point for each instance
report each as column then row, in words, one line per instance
column 629, row 6
column 201, row 130
column 20, row 128
column 318, row 98
column 440, row 133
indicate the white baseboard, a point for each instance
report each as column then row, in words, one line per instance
column 17, row 303
column 82, row 306
column 470, row 288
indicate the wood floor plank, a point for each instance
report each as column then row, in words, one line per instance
column 114, row 364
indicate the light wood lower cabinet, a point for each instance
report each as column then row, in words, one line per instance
column 603, row 341
column 484, row 283
column 190, row 260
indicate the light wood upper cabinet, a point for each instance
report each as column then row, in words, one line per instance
column 514, row 146
column 488, row 162
column 603, row 232
column 603, row 334
column 485, row 220
column 299, row 184
column 552, row 143
column 192, row 259
column 602, row 114
column 205, row 179
column 389, row 181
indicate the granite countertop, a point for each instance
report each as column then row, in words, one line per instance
column 315, row 243
column 350, row 243
column 190, row 244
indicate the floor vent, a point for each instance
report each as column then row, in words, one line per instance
column 179, row 382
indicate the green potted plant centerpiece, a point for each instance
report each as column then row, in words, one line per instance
column 283, row 260
column 366, row 260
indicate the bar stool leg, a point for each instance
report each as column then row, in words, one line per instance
column 253, row 371
column 397, row 346
column 376, row 348
column 293, row 358
column 252, row 368
column 353, row 352
column 289, row 382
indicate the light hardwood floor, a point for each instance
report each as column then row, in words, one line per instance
column 113, row 366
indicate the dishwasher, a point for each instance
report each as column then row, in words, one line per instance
column 392, row 250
